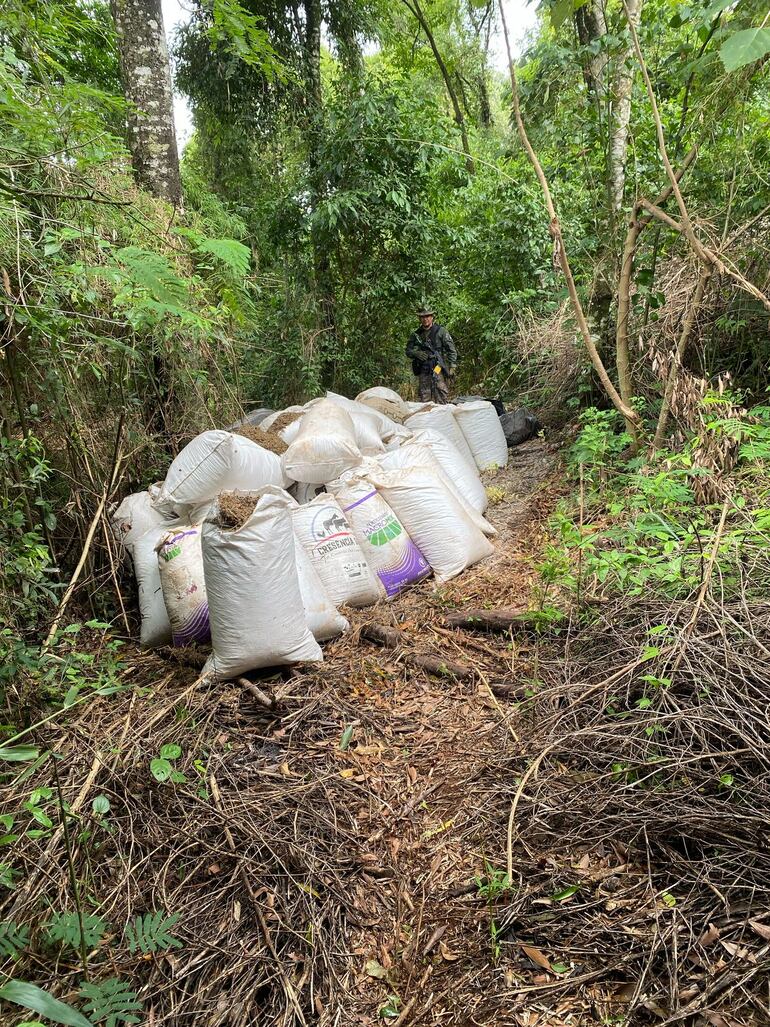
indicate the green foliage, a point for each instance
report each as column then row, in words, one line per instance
column 162, row 768
column 29, row 996
column 152, row 933
column 13, row 938
column 741, row 48
column 599, row 443
column 65, row 928
column 110, row 1002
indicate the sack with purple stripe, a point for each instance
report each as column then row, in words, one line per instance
column 180, row 564
column 384, row 541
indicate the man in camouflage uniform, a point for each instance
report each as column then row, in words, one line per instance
column 434, row 358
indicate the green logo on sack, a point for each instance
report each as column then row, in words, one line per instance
column 386, row 533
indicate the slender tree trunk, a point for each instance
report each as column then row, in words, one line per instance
column 417, row 11
column 324, row 285
column 484, row 24
column 146, row 78
column 592, row 25
column 560, row 253
column 621, row 115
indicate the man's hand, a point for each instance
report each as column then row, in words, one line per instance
column 451, row 373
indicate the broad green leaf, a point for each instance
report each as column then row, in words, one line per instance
column 560, row 11
column 170, row 751
column 22, row 993
column 743, row 47
column 160, row 769
column 19, row 753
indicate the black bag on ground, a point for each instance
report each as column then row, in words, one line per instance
column 519, row 425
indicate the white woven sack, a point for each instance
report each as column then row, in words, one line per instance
column 327, row 538
column 384, row 541
column 216, row 461
column 325, row 445
column 463, row 475
column 386, row 426
column 303, row 492
column 322, row 617
column 419, row 454
column 484, row 434
column 440, row 417
column 255, row 605
column 434, row 517
column 139, row 527
column 180, row 565
column 386, row 401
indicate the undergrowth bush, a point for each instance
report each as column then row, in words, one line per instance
column 637, row 525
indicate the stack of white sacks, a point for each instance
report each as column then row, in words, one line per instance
column 371, row 496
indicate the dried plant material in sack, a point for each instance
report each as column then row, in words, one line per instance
column 180, row 565
column 484, row 434
column 139, row 527
column 434, row 517
column 255, row 605
column 440, row 417
column 419, row 454
column 269, row 440
column 213, row 462
column 384, row 540
column 386, row 426
column 278, row 420
column 325, row 445
column 323, row 618
column 327, row 538
column 386, row 401
column 463, row 475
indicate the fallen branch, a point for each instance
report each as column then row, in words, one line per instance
column 263, row 698
column 393, row 639
column 489, row 620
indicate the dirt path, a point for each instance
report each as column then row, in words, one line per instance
column 424, row 763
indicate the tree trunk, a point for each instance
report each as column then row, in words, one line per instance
column 417, row 11
column 591, row 25
column 146, row 78
column 324, row 286
column 621, row 115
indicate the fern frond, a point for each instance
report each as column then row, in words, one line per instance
column 230, row 252
column 153, row 272
column 65, row 928
column 13, row 938
column 110, row 1002
column 151, row 933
